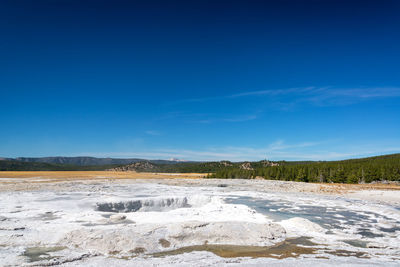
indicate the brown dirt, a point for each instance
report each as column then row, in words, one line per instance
column 344, row 188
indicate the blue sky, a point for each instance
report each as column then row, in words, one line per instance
column 200, row 80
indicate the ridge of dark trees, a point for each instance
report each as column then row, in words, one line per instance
column 364, row 170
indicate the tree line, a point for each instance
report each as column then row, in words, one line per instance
column 381, row 168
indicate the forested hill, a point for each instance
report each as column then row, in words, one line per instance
column 85, row 161
column 379, row 168
column 11, row 165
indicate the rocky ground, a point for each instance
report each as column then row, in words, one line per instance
column 124, row 222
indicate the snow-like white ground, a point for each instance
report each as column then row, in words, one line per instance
column 124, row 222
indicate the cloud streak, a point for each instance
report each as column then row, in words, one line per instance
column 279, row 99
column 152, row 132
column 274, row 92
column 278, row 150
column 242, row 118
column 327, row 95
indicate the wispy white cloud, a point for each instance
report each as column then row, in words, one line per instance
column 374, row 92
column 277, row 99
column 240, row 118
column 275, row 92
column 152, row 132
column 278, row 150
column 327, row 95
column 348, row 96
column 281, row 145
column 327, row 92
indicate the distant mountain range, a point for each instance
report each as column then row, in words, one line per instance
column 115, row 164
column 88, row 161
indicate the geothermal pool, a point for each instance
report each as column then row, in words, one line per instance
column 139, row 222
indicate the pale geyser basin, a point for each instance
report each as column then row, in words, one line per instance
column 118, row 223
